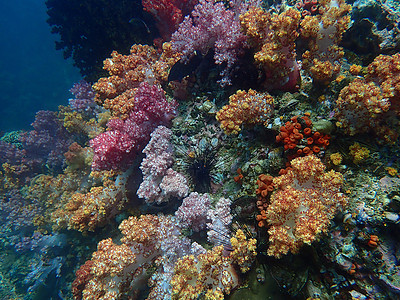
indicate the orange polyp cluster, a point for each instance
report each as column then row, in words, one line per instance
column 265, row 186
column 285, row 170
column 239, row 177
column 352, row 269
column 299, row 139
column 373, row 241
column 261, row 218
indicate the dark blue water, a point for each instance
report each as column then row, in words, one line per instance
column 33, row 75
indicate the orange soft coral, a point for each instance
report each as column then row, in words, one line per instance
column 385, row 71
column 110, row 261
column 371, row 104
column 273, row 37
column 360, row 106
column 323, row 33
column 144, row 63
column 118, row 269
column 265, row 187
column 212, row 273
column 301, row 208
column 245, row 108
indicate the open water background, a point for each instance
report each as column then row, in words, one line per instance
column 33, row 75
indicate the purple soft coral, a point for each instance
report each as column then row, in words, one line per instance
column 211, row 26
column 84, row 98
column 46, row 144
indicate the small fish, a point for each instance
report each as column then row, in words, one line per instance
column 135, row 21
column 181, row 69
column 199, row 65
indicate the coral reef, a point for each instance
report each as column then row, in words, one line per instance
column 324, row 32
column 245, row 155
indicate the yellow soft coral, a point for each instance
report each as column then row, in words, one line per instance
column 358, row 153
column 244, row 251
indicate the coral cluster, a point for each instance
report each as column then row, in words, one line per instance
column 274, row 36
column 220, row 221
column 385, row 72
column 84, row 98
column 302, row 206
column 368, row 104
column 324, row 32
column 245, row 108
column 87, row 211
column 212, row 273
column 265, row 186
column 160, row 182
column 359, row 106
column 117, row 147
column 210, row 26
column 299, row 139
column 116, row 269
column 193, row 211
column 358, row 153
column 169, row 14
column 308, row 7
column 202, row 189
column 117, row 92
column 47, row 142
